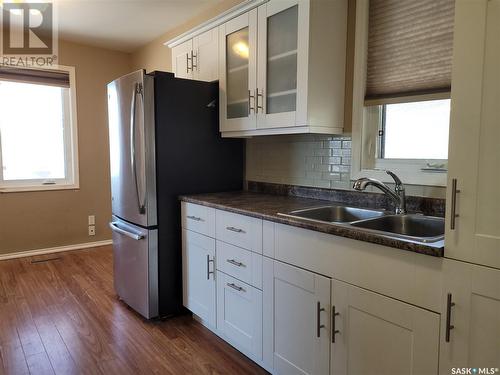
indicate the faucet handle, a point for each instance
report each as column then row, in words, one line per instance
column 399, row 184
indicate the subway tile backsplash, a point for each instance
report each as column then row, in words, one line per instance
column 307, row 160
column 310, row 160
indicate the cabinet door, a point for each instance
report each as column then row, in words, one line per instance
column 198, row 275
column 380, row 335
column 238, row 69
column 281, row 58
column 206, row 56
column 239, row 314
column 474, row 155
column 297, row 316
column 470, row 328
column 182, row 60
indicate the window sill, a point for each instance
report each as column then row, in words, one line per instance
column 25, row 189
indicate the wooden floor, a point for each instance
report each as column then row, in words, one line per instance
column 63, row 317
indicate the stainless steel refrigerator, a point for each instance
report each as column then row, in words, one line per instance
column 164, row 142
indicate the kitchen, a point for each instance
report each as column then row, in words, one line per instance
column 310, row 191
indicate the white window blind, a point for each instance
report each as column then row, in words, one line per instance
column 410, row 46
column 42, row 77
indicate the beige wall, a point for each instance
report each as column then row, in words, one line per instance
column 33, row 220
column 156, row 56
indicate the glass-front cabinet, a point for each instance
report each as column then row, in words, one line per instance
column 238, row 73
column 277, row 68
column 282, row 69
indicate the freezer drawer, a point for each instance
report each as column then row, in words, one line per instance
column 135, row 257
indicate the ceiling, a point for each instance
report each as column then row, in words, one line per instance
column 123, row 25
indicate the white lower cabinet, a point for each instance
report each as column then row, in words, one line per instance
column 470, row 324
column 296, row 320
column 379, row 335
column 198, row 270
column 239, row 314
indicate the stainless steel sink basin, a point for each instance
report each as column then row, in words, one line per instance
column 335, row 214
column 414, row 227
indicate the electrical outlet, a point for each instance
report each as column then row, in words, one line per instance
column 91, row 220
column 91, row 230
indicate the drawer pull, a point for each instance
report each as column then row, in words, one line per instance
column 237, row 230
column 208, row 267
column 235, row 287
column 235, row 263
column 195, row 218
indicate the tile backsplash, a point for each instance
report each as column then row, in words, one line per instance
column 306, row 160
column 310, row 160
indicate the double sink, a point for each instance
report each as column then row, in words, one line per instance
column 412, row 227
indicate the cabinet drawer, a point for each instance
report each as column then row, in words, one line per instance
column 239, row 230
column 240, row 263
column 198, row 218
column 239, row 314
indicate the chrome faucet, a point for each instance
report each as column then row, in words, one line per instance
column 398, row 195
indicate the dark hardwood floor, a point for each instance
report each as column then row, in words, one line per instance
column 62, row 316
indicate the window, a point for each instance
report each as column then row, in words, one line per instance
column 37, row 130
column 415, row 130
column 401, row 91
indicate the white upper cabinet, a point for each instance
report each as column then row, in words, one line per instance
column 470, row 334
column 198, row 58
column 473, row 205
column 282, row 69
column 181, row 59
column 278, row 57
column 238, row 69
column 206, row 56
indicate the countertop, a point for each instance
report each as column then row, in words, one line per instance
column 267, row 206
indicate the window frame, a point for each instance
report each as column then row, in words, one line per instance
column 71, row 181
column 409, row 170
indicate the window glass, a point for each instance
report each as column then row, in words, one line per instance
column 416, row 130
column 32, row 131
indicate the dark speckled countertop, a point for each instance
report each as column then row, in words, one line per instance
column 267, row 206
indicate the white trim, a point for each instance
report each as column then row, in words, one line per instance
column 229, row 14
column 26, row 188
column 58, row 249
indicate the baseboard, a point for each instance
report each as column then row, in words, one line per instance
column 58, row 249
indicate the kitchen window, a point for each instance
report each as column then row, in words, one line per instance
column 402, row 84
column 416, row 130
column 38, row 134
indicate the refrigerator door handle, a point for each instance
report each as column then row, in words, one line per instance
column 133, row 162
column 115, row 228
